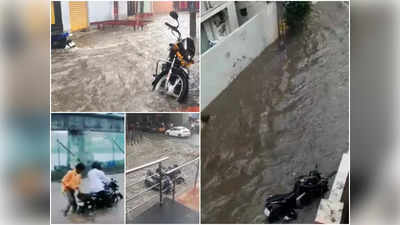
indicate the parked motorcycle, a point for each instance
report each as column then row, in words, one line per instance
column 306, row 189
column 173, row 77
column 152, row 179
column 88, row 202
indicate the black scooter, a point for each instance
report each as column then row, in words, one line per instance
column 306, row 189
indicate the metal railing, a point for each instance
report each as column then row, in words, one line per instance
column 178, row 168
column 161, row 175
column 145, row 165
column 118, row 146
column 65, row 147
column 159, row 162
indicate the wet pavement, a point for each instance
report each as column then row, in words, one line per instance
column 285, row 113
column 114, row 215
column 111, row 70
column 155, row 146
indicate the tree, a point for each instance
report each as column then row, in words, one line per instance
column 296, row 13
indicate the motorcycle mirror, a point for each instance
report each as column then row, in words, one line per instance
column 174, row 15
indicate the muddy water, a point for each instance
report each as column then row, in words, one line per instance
column 153, row 147
column 285, row 113
column 113, row 215
column 111, row 70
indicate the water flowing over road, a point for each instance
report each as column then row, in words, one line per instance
column 111, row 70
column 152, row 147
column 112, row 215
column 285, row 113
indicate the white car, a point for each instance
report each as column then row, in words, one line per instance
column 178, row 132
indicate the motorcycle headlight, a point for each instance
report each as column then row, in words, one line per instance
column 267, row 212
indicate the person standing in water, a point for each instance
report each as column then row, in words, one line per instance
column 70, row 186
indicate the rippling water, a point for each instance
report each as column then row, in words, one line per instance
column 285, row 113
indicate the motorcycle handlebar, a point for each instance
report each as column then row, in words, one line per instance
column 170, row 26
column 173, row 28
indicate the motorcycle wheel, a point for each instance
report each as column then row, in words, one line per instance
column 181, row 88
column 274, row 213
column 115, row 199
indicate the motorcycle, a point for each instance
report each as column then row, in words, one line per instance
column 306, row 189
column 152, row 179
column 173, row 77
column 109, row 197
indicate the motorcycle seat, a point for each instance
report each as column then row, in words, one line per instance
column 279, row 197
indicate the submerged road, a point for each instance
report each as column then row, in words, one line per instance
column 112, row 215
column 152, row 147
column 285, row 113
column 111, row 70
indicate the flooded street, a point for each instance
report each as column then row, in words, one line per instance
column 111, row 70
column 155, row 146
column 285, row 113
column 112, row 215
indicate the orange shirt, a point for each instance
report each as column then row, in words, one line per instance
column 71, row 180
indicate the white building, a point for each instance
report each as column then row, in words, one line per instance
column 77, row 15
column 232, row 35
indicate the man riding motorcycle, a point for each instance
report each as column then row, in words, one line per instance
column 98, row 180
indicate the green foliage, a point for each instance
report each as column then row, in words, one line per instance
column 296, row 13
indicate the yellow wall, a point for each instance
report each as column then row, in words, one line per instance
column 53, row 20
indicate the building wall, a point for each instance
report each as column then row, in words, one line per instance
column 148, row 7
column 218, row 21
column 100, row 11
column 65, row 16
column 56, row 18
column 97, row 11
column 162, row 7
column 252, row 8
column 122, row 10
column 235, row 52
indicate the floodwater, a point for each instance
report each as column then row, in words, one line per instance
column 285, row 113
column 114, row 215
column 111, row 70
column 155, row 146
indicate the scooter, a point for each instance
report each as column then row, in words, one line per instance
column 152, row 179
column 306, row 189
column 88, row 202
column 173, row 77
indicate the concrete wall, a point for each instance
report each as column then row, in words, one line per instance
column 122, row 10
column 162, row 7
column 65, row 16
column 100, row 11
column 221, row 64
column 148, row 7
column 253, row 8
column 210, row 32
